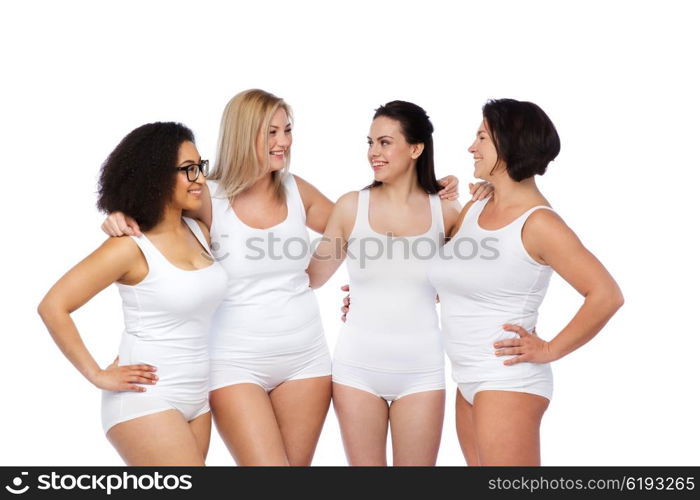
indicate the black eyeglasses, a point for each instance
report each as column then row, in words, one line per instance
column 194, row 170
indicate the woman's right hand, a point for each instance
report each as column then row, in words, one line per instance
column 118, row 224
column 125, row 378
column 346, row 303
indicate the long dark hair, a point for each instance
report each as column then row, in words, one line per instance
column 417, row 129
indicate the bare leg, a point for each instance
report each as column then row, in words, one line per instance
column 158, row 439
column 416, row 427
column 364, row 423
column 508, row 427
column 466, row 431
column 246, row 422
column 300, row 408
column 201, row 428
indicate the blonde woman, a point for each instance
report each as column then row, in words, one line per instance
column 270, row 378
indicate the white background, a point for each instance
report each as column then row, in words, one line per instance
column 618, row 79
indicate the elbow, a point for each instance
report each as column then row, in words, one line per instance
column 619, row 300
column 613, row 300
column 315, row 283
column 606, row 300
column 48, row 309
column 616, row 299
column 43, row 309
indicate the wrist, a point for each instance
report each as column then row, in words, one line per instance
column 553, row 351
column 92, row 374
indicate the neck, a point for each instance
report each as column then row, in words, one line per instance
column 171, row 221
column 263, row 185
column 509, row 192
column 402, row 188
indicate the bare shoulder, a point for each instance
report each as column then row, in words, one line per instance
column 301, row 183
column 545, row 222
column 115, row 257
column 308, row 192
column 343, row 217
column 119, row 247
column 347, row 203
column 546, row 236
column 304, row 186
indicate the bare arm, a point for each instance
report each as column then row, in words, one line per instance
column 548, row 239
column 120, row 224
column 117, row 259
column 331, row 251
column 318, row 208
column 205, row 230
column 450, row 215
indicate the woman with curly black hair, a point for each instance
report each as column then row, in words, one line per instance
column 155, row 407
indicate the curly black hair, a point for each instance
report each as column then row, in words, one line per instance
column 524, row 136
column 139, row 176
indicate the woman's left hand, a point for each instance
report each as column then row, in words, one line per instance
column 527, row 348
column 449, row 189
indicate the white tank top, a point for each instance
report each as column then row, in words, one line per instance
column 486, row 278
column 268, row 288
column 392, row 324
column 171, row 306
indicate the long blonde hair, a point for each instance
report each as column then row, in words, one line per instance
column 237, row 165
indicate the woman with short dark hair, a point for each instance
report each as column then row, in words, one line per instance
column 155, row 408
column 490, row 299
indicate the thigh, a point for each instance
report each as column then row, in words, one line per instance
column 508, row 427
column 300, row 408
column 245, row 420
column 364, row 422
column 466, row 431
column 416, row 427
column 158, row 439
column 201, row 428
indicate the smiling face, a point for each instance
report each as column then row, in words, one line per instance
column 279, row 140
column 389, row 154
column 484, row 151
column 187, row 195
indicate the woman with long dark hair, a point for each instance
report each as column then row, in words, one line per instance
column 388, row 366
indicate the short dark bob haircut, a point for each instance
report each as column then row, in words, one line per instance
column 524, row 136
column 139, row 176
column 417, row 129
